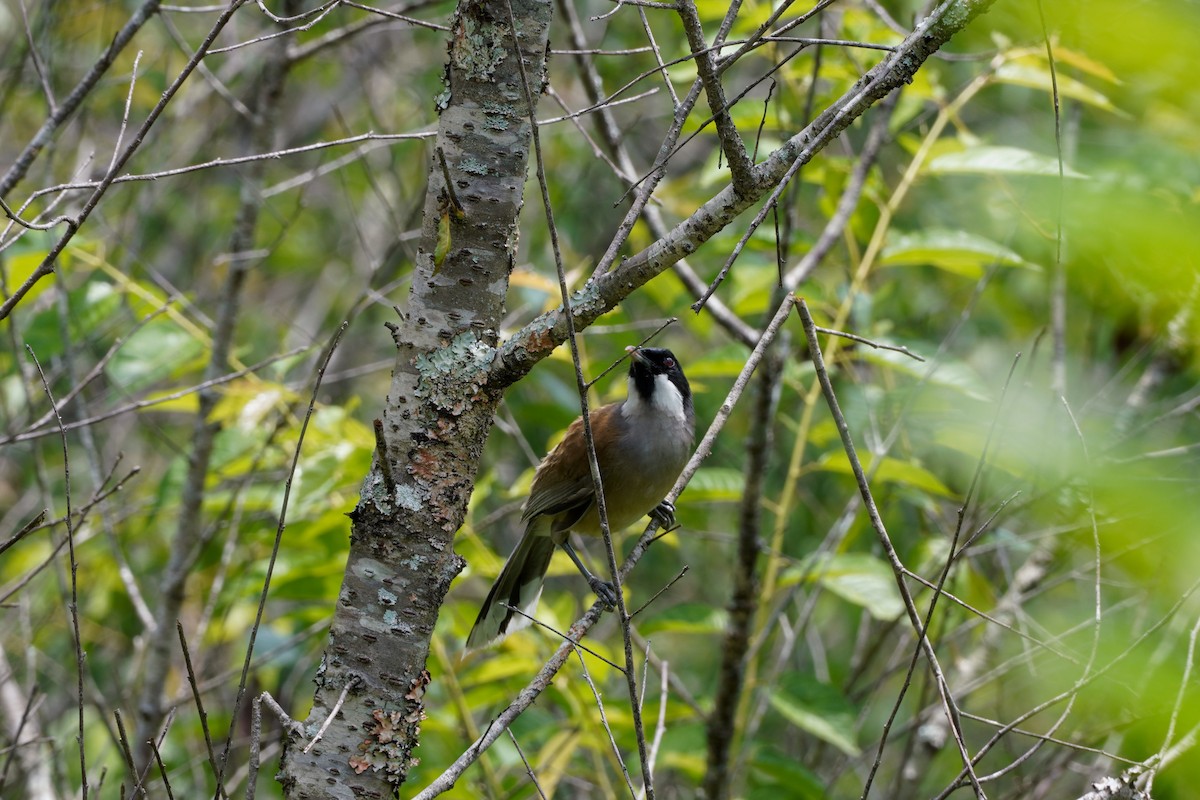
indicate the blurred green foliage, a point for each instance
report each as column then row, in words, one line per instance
column 953, row 252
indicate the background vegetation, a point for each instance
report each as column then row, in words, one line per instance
column 1043, row 459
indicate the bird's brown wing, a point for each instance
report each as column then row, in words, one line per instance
column 563, row 483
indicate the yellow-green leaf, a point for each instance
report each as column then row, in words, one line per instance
column 998, row 160
column 959, row 252
column 1037, row 76
column 818, row 709
column 443, row 241
column 858, row 578
column 892, row 470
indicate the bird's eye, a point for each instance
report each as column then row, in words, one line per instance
column 668, row 362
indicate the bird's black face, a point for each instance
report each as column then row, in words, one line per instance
column 647, row 364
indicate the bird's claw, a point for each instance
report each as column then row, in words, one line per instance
column 605, row 591
column 664, row 515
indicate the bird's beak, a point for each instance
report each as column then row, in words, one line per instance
column 636, row 354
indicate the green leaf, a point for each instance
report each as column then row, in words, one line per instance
column 1037, row 76
column 1090, row 66
column 779, row 771
column 892, row 470
column 858, row 578
column 818, row 709
column 716, row 484
column 158, row 350
column 93, row 306
column 997, row 160
column 443, row 241
column 959, row 252
column 554, row 758
column 952, row 375
column 686, row 618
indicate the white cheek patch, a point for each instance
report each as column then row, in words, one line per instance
column 665, row 400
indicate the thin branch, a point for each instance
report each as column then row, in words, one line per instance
column 613, row 138
column 42, row 138
column 290, row 725
column 262, row 598
column 741, row 168
column 320, row 15
column 670, row 321
column 274, row 155
column 300, row 51
column 564, row 637
column 96, row 499
column 518, row 354
column 661, row 592
column 25, row 530
column 914, row 616
column 612, row 741
column 73, row 605
column 593, row 463
column 528, row 768
column 47, row 264
column 743, row 601
column 333, row 712
column 199, row 701
column 138, row 405
column 877, row 345
column 35, row 226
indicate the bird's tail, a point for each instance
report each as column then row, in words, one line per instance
column 519, row 586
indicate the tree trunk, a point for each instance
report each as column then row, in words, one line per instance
column 438, row 415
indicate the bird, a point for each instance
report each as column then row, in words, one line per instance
column 642, row 445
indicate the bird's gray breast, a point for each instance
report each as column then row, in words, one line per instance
column 656, row 442
column 654, row 448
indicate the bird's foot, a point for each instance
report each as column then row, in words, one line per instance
column 664, row 515
column 605, row 591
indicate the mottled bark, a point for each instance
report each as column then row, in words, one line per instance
column 438, row 414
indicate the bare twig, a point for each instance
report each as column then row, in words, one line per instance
column 525, row 761
column 564, row 637
column 199, row 701
column 642, row 343
column 35, row 433
column 877, row 345
column 333, row 712
column 661, row 591
column 35, row 226
column 660, row 727
column 743, row 601
column 42, row 138
column 289, row 724
column 741, row 168
column 610, row 132
column 612, row 741
column 73, row 604
column 81, row 516
column 593, row 463
column 25, row 530
column 262, row 598
column 46, row 266
column 162, row 770
column 126, row 752
column 914, row 616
